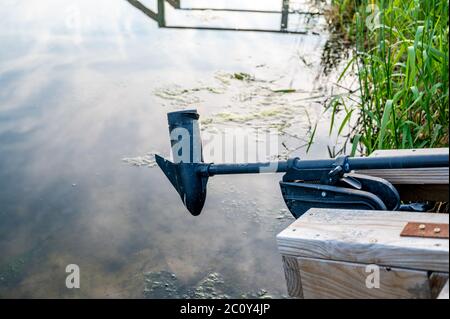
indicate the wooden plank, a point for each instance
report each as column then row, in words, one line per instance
column 444, row 292
column 343, row 280
column 416, row 176
column 415, row 184
column 292, row 275
column 369, row 237
column 437, row 283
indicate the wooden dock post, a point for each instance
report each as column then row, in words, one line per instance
column 361, row 254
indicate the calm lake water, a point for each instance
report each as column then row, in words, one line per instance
column 84, row 91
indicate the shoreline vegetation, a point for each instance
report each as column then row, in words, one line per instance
column 400, row 57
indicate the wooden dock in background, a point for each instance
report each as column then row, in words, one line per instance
column 331, row 253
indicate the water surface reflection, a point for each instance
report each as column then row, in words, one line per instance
column 84, row 85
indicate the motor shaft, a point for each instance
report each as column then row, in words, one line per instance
column 355, row 163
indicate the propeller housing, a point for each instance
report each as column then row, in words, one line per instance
column 187, row 173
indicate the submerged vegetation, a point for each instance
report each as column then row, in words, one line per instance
column 164, row 284
column 401, row 61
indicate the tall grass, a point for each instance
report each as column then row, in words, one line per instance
column 401, row 60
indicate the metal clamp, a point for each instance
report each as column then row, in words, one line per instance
column 340, row 167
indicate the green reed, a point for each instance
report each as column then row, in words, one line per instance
column 401, row 61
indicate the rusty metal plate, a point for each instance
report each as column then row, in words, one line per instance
column 425, row 230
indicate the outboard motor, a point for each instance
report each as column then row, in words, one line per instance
column 324, row 183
